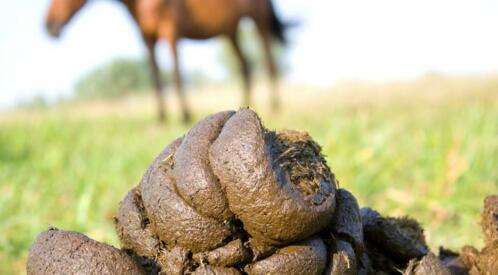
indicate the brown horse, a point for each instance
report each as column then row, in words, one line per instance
column 196, row 19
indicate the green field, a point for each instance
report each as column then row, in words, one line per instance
column 426, row 148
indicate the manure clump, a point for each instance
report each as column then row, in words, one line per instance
column 297, row 154
column 232, row 197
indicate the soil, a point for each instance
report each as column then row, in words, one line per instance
column 232, row 197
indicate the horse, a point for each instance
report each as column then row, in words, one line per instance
column 172, row 20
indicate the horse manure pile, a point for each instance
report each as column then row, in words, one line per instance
column 231, row 197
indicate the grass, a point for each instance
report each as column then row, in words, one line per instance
column 426, row 148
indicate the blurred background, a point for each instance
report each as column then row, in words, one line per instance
column 402, row 95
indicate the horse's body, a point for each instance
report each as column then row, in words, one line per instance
column 172, row 20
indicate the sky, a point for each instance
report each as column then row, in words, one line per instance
column 335, row 39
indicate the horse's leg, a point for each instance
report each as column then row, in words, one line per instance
column 245, row 68
column 178, row 80
column 264, row 31
column 156, row 77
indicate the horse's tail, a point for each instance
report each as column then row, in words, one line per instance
column 277, row 27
